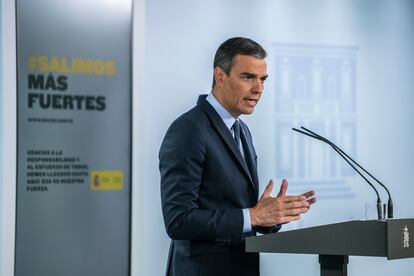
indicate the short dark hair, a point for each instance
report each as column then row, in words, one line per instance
column 236, row 46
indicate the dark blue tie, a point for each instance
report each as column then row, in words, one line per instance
column 236, row 129
column 243, row 147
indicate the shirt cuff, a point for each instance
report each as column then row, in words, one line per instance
column 247, row 225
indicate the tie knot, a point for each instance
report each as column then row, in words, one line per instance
column 236, row 126
column 236, row 129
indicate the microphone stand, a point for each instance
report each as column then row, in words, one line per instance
column 346, row 157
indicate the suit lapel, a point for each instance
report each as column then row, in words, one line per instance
column 225, row 134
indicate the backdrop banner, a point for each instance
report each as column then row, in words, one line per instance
column 74, row 137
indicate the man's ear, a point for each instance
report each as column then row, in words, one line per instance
column 219, row 76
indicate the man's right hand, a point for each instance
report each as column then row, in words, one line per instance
column 281, row 209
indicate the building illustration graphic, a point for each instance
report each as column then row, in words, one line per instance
column 315, row 88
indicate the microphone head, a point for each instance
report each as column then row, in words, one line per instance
column 390, row 208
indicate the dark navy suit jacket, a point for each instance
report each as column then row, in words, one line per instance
column 205, row 182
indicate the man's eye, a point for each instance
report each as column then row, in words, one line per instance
column 248, row 77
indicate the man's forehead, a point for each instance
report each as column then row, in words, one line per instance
column 249, row 63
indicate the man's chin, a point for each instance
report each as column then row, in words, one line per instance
column 248, row 111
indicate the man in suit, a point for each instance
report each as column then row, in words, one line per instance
column 208, row 167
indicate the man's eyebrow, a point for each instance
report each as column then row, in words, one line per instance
column 248, row 74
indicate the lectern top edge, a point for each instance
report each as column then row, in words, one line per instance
column 381, row 238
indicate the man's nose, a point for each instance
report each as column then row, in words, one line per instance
column 258, row 86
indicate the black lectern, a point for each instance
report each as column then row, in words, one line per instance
column 334, row 243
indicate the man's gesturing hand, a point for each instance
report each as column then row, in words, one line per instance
column 270, row 210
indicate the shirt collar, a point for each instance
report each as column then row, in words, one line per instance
column 224, row 114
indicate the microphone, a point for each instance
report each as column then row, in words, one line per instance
column 390, row 210
column 346, row 157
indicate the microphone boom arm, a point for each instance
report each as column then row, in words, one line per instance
column 390, row 203
column 348, row 159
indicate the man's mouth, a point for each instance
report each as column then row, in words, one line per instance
column 251, row 101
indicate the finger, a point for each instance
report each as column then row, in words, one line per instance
column 268, row 190
column 311, row 201
column 293, row 198
column 309, row 194
column 295, row 204
column 283, row 188
column 290, row 205
column 294, row 212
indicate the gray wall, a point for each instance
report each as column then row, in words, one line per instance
column 181, row 38
column 7, row 138
column 1, row 105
